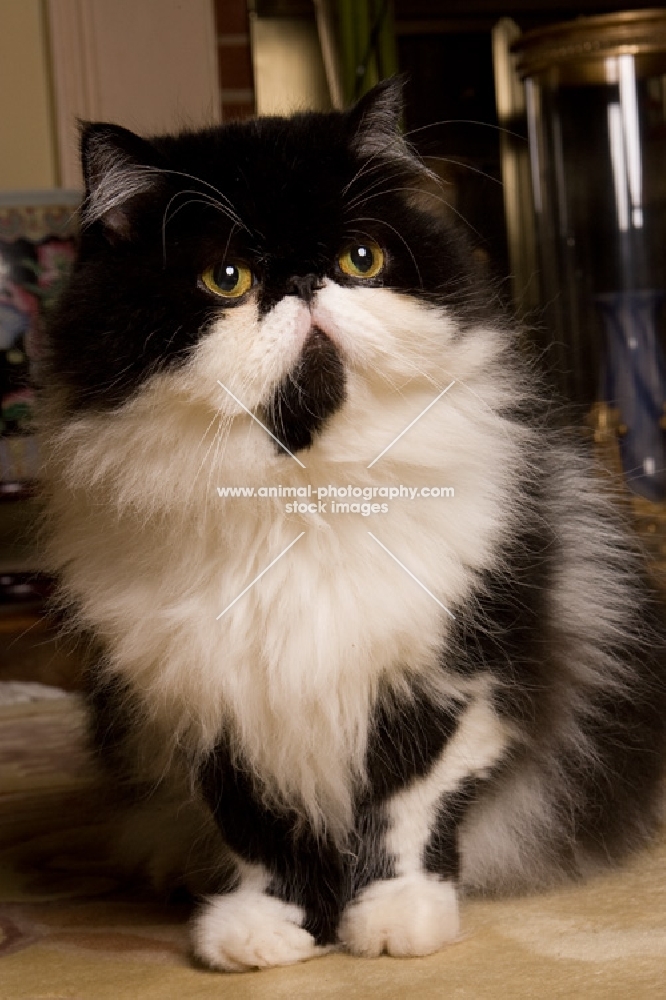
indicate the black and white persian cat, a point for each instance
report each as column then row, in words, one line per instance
column 380, row 708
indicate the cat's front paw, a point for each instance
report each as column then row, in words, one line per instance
column 406, row 916
column 246, row 929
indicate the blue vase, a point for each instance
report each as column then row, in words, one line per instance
column 634, row 381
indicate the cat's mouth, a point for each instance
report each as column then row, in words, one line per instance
column 308, row 394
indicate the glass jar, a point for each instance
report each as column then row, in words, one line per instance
column 596, row 108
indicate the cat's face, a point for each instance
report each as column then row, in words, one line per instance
column 283, row 258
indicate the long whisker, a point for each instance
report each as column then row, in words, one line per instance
column 467, row 166
column 373, row 162
column 382, row 159
column 386, row 178
column 216, row 419
column 200, row 199
column 198, row 180
column 467, row 121
column 431, row 195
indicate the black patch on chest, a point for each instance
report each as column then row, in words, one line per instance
column 308, row 394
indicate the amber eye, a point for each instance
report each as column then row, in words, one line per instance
column 365, row 260
column 229, row 280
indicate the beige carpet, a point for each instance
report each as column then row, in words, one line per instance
column 70, row 928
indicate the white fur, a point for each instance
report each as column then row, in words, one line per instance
column 151, row 555
column 479, row 741
column 246, row 929
column 410, row 915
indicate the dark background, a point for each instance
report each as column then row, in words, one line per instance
column 445, row 51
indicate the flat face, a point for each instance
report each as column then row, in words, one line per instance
column 276, row 245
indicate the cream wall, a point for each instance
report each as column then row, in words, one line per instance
column 28, row 158
column 150, row 65
column 288, row 67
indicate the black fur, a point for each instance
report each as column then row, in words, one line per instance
column 303, row 868
column 441, row 855
column 407, row 734
column 309, row 394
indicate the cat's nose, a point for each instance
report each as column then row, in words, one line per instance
column 304, row 285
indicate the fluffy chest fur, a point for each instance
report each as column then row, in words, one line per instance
column 151, row 556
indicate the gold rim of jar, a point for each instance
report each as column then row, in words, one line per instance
column 578, row 51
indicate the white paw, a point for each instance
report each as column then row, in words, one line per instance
column 246, row 929
column 410, row 915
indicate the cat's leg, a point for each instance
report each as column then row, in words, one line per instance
column 268, row 913
column 406, row 900
column 285, row 905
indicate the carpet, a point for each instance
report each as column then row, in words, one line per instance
column 72, row 926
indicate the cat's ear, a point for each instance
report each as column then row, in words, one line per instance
column 118, row 166
column 374, row 121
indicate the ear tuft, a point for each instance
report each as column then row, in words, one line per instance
column 375, row 119
column 117, row 167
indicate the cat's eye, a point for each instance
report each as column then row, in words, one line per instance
column 364, row 260
column 229, row 280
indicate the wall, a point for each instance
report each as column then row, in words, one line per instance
column 150, row 65
column 27, row 143
column 288, row 68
